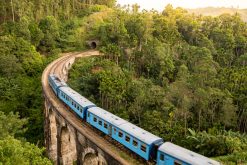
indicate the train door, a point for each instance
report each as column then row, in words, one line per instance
column 153, row 154
column 154, row 150
column 110, row 129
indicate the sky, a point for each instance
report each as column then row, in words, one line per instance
column 160, row 4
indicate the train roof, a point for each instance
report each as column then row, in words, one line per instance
column 57, row 80
column 186, row 155
column 107, row 116
column 125, row 126
column 140, row 133
column 84, row 102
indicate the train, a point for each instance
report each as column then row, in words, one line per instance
column 143, row 143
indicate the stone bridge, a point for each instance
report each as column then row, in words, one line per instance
column 69, row 140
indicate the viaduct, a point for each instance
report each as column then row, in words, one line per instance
column 68, row 140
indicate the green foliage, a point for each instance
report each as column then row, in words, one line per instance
column 13, row 151
column 11, row 125
column 215, row 143
column 109, row 3
column 27, row 55
column 36, row 34
column 171, row 72
column 165, row 72
column 16, row 152
column 49, row 27
column 27, row 27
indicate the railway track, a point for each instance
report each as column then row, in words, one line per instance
column 60, row 67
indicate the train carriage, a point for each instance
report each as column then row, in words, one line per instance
column 171, row 154
column 75, row 101
column 103, row 120
column 55, row 83
column 136, row 139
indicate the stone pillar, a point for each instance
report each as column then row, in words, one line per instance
column 68, row 153
column 52, row 136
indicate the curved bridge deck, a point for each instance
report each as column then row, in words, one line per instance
column 67, row 138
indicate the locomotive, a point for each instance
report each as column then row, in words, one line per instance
column 136, row 139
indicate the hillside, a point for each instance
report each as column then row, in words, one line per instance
column 182, row 77
column 211, row 11
column 179, row 76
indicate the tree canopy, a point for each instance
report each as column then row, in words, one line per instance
column 171, row 73
column 178, row 75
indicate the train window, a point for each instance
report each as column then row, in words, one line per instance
column 81, row 110
column 114, row 131
column 88, row 115
column 94, row 119
column 105, row 125
column 177, row 163
column 75, row 105
column 100, row 122
column 135, row 143
column 72, row 103
column 127, row 138
column 143, row 147
column 162, row 157
column 120, row 134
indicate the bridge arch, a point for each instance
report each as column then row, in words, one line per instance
column 89, row 157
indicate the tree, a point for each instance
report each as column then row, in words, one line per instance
column 154, row 122
column 49, row 27
column 11, row 125
column 217, row 143
column 181, row 97
column 16, row 152
column 140, row 28
column 165, row 29
column 36, row 34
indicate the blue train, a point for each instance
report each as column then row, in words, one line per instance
column 141, row 142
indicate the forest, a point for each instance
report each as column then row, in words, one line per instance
column 178, row 75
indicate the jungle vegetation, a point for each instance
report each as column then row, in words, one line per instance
column 32, row 34
column 180, row 76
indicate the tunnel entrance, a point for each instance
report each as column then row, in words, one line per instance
column 93, row 45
